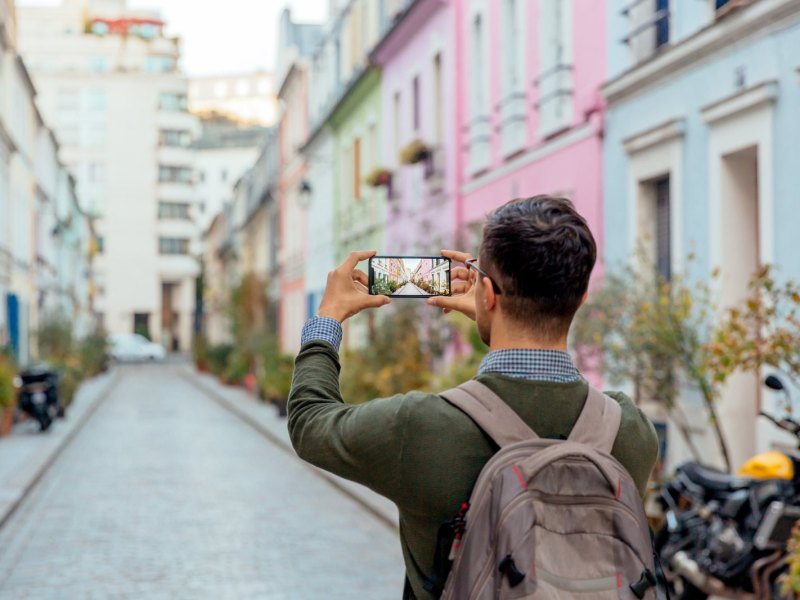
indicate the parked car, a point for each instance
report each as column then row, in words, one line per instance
column 133, row 347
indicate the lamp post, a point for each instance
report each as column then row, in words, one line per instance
column 306, row 194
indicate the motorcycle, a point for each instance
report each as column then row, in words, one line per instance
column 38, row 395
column 725, row 535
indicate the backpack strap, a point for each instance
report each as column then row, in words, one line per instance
column 598, row 424
column 496, row 418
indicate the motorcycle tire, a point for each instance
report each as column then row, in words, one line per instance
column 44, row 422
column 691, row 593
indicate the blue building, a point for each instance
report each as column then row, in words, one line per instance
column 701, row 156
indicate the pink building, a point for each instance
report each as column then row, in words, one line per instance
column 418, row 59
column 529, row 113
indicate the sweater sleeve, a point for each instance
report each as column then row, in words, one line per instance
column 637, row 442
column 362, row 443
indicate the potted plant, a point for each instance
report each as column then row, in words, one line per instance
column 277, row 380
column 378, row 177
column 416, row 152
column 7, row 395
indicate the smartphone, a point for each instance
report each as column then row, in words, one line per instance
column 409, row 276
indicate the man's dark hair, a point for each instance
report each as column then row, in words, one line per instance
column 540, row 252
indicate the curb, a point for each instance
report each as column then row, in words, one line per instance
column 59, row 448
column 334, row 481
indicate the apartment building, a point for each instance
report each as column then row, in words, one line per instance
column 108, row 81
column 44, row 236
column 699, row 158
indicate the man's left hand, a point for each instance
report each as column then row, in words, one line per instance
column 346, row 293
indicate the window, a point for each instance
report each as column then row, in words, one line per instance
column 159, row 64
column 357, row 168
column 201, row 176
column 649, row 27
column 98, row 64
column 175, row 138
column 101, row 244
column 397, row 122
column 415, row 100
column 172, row 101
column 438, row 119
column 478, row 87
column 168, row 174
column 662, row 228
column 510, row 46
column 96, row 100
column 223, row 175
column 174, row 210
column 555, row 66
column 141, row 324
column 173, row 246
column 513, row 106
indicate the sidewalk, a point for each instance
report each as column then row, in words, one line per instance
column 26, row 453
column 265, row 419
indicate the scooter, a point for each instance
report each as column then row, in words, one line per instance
column 38, row 395
column 726, row 535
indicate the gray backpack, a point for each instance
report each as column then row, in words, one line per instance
column 550, row 519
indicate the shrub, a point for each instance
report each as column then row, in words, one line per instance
column 56, row 339
column 218, row 357
column 200, row 350
column 8, row 394
column 69, row 380
column 415, row 152
column 93, row 352
column 378, row 177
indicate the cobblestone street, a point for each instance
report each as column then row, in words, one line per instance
column 164, row 494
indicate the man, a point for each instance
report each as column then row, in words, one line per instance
column 416, row 449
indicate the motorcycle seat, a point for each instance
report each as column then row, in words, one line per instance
column 713, row 480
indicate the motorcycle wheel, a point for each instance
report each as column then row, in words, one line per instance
column 690, row 592
column 44, row 422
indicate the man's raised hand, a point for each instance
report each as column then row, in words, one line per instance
column 346, row 292
column 462, row 287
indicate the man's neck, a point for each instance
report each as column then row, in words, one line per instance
column 510, row 337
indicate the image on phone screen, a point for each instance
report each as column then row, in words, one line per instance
column 409, row 276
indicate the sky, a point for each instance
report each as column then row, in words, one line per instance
column 240, row 36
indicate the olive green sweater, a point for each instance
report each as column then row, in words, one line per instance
column 423, row 453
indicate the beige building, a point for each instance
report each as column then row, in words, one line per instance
column 108, row 81
column 44, row 237
column 248, row 98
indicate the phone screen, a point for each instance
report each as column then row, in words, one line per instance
column 409, row 276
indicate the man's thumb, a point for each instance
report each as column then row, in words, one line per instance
column 376, row 301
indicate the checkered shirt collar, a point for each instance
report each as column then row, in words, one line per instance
column 534, row 365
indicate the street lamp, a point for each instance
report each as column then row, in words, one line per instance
column 305, row 194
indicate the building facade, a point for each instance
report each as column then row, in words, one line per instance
column 248, row 98
column 702, row 121
column 297, row 42
column 108, row 81
column 44, row 236
column 529, row 111
column 418, row 91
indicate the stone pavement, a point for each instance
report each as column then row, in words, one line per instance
column 164, row 494
column 265, row 419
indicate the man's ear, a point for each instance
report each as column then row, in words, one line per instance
column 584, row 299
column 489, row 297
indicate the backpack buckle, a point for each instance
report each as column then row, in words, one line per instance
column 509, row 568
column 646, row 581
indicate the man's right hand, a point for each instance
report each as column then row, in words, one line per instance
column 462, row 287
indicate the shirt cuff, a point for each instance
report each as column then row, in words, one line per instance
column 322, row 329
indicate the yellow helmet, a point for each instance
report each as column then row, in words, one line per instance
column 768, row 465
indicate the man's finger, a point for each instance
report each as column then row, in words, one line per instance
column 376, row 301
column 460, row 287
column 360, row 276
column 457, row 256
column 461, row 273
column 351, row 262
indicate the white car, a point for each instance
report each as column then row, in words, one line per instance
column 134, row 347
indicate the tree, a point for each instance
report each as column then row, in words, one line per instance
column 764, row 331
column 639, row 328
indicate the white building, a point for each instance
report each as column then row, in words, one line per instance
column 108, row 82
column 248, row 98
column 224, row 152
column 44, row 238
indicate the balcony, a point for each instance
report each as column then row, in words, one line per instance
column 649, row 24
